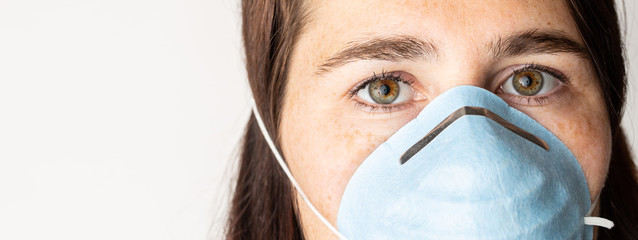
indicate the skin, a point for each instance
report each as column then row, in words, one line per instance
column 326, row 134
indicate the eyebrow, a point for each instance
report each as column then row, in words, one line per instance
column 393, row 48
column 405, row 47
column 535, row 42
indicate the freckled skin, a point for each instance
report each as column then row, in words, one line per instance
column 325, row 137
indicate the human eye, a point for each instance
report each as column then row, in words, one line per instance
column 387, row 92
column 532, row 82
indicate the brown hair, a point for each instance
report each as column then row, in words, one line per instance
column 264, row 203
column 597, row 22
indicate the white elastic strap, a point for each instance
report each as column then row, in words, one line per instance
column 283, row 165
column 593, row 221
column 593, row 205
column 597, row 221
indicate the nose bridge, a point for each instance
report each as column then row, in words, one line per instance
column 464, row 70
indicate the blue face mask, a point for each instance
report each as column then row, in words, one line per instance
column 468, row 167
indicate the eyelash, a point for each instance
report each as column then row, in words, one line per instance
column 533, row 66
column 375, row 77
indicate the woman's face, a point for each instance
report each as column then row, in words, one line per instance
column 331, row 121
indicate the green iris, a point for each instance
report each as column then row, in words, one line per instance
column 528, row 83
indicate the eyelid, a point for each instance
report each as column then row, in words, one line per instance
column 555, row 73
column 384, row 75
column 508, row 72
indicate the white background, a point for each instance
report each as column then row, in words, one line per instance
column 120, row 119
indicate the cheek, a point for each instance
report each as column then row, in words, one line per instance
column 323, row 154
column 582, row 126
column 325, row 144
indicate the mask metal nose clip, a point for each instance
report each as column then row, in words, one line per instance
column 465, row 111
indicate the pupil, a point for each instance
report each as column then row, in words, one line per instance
column 384, row 89
column 525, row 81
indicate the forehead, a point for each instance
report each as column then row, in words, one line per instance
column 447, row 23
